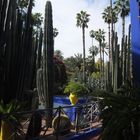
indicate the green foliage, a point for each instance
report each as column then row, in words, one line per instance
column 120, row 115
column 60, row 75
column 107, row 15
column 96, row 75
column 122, row 7
column 99, row 92
column 37, row 19
column 9, row 108
column 76, row 88
column 82, row 19
column 8, row 113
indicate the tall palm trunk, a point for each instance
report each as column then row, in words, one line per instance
column 123, row 26
column 123, row 47
column 103, row 70
column 93, row 55
column 83, row 32
column 109, row 42
column 112, row 55
column 111, row 30
column 101, row 61
column 114, row 28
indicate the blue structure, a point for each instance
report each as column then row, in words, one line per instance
column 64, row 101
column 135, row 26
column 86, row 135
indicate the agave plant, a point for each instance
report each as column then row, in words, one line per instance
column 120, row 115
column 10, row 123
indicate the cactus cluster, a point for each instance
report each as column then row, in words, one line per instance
column 121, row 62
column 18, row 49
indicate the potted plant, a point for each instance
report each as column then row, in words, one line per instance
column 75, row 89
column 9, row 121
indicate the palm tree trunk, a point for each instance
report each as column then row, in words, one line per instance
column 112, row 40
column 114, row 27
column 101, row 62
column 123, row 26
column 109, row 42
column 103, row 69
column 111, row 27
column 83, row 32
column 123, row 38
column 93, row 55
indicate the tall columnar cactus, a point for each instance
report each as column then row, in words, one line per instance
column 125, row 59
column 129, row 69
column 116, row 64
column 121, row 70
column 39, row 83
column 39, row 51
column 48, row 66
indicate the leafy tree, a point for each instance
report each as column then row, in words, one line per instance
column 60, row 75
column 74, row 66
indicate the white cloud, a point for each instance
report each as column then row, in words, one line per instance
column 69, row 40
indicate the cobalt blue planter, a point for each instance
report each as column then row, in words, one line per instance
column 86, row 135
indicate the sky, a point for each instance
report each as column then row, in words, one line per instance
column 69, row 39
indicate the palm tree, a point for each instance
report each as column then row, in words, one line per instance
column 108, row 18
column 93, row 50
column 82, row 20
column 78, row 60
column 100, row 37
column 123, row 8
column 91, row 34
column 37, row 20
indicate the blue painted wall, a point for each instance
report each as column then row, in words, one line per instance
column 135, row 26
column 65, row 101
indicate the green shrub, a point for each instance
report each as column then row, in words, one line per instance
column 120, row 117
column 75, row 88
